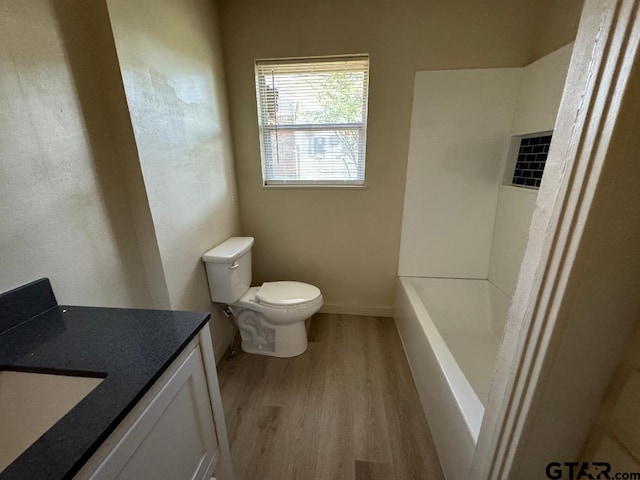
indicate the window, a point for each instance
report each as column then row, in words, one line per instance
column 312, row 114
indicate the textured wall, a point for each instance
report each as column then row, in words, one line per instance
column 174, row 83
column 63, row 208
column 615, row 435
column 346, row 241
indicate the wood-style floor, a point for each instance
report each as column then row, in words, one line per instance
column 347, row 409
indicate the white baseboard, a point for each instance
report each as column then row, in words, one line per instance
column 363, row 310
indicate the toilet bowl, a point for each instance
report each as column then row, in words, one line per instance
column 276, row 327
column 271, row 317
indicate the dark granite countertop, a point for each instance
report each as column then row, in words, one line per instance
column 130, row 348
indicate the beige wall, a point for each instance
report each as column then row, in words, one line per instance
column 63, row 208
column 174, row 84
column 346, row 241
column 126, row 151
column 130, row 232
column 556, row 25
column 615, row 435
column 116, row 171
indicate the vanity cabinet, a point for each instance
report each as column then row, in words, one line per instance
column 176, row 431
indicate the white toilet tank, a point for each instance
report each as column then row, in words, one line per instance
column 229, row 269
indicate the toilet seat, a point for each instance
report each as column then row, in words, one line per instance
column 287, row 293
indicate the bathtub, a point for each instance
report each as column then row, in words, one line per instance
column 451, row 330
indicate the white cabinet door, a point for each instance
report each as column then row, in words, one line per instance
column 174, row 437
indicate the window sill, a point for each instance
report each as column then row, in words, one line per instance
column 521, row 187
column 314, row 187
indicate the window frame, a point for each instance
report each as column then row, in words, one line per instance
column 265, row 128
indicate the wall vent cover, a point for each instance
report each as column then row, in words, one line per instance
column 532, row 157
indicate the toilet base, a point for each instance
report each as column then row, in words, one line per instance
column 260, row 337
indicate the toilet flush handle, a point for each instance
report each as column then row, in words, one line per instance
column 234, row 265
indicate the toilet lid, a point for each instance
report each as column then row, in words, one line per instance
column 286, row 293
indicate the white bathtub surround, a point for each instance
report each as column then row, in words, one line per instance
column 460, row 130
column 461, row 223
column 540, row 92
column 538, row 100
column 513, row 217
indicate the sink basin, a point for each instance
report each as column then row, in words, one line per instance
column 31, row 403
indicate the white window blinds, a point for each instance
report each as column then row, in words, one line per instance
column 312, row 115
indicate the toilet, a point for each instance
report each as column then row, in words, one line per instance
column 271, row 317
